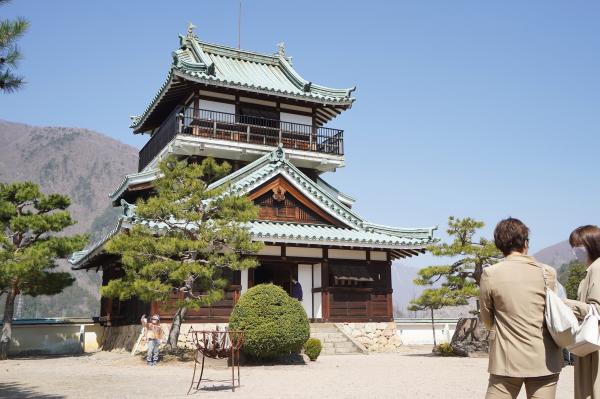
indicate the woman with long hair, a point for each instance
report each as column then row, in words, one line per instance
column 585, row 241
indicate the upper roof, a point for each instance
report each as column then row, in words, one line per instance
column 226, row 67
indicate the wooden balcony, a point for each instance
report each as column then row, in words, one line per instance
column 242, row 129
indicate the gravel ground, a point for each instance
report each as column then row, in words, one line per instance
column 414, row 373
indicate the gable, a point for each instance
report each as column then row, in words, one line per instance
column 279, row 201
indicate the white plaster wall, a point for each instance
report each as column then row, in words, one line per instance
column 230, row 97
column 317, row 296
column 244, row 280
column 378, row 255
column 270, row 250
column 295, row 107
column 217, row 106
column 295, row 118
column 304, row 252
column 347, row 254
column 305, row 280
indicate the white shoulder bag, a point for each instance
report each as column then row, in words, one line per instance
column 560, row 319
column 587, row 338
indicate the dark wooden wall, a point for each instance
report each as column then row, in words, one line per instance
column 365, row 302
column 287, row 210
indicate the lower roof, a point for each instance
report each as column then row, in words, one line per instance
column 292, row 234
column 296, row 233
column 356, row 231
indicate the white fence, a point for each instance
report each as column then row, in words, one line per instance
column 419, row 332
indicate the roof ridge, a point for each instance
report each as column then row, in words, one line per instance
column 234, row 52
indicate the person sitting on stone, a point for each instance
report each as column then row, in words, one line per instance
column 154, row 336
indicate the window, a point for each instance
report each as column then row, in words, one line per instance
column 258, row 115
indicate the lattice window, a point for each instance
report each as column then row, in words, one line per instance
column 285, row 208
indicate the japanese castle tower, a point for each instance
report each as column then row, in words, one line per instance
column 255, row 111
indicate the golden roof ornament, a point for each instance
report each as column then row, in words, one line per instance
column 279, row 193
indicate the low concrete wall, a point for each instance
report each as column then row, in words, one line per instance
column 418, row 331
column 54, row 337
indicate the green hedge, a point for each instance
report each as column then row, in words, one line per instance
column 273, row 323
column 312, row 348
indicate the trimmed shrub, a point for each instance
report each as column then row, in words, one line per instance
column 273, row 323
column 312, row 348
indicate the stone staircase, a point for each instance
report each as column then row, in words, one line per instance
column 333, row 340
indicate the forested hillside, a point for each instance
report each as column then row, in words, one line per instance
column 82, row 164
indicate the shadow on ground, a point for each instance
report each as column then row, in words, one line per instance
column 16, row 390
column 38, row 356
column 211, row 386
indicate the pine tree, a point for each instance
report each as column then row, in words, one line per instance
column 10, row 31
column 29, row 247
column 570, row 275
column 432, row 299
column 459, row 280
column 184, row 239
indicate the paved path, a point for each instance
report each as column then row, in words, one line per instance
column 413, row 374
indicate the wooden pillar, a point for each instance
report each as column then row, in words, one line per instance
column 154, row 308
column 390, row 307
column 196, row 106
column 325, row 284
column 251, row 278
column 325, row 299
column 390, row 290
column 109, row 311
column 370, row 307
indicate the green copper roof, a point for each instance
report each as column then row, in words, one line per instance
column 222, row 66
column 331, row 235
column 255, row 174
column 356, row 233
column 274, row 73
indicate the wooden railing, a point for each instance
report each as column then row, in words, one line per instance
column 241, row 128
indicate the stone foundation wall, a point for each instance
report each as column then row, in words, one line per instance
column 123, row 338
column 185, row 340
column 120, row 338
column 375, row 337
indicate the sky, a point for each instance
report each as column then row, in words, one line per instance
column 463, row 108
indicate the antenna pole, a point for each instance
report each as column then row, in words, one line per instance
column 239, row 25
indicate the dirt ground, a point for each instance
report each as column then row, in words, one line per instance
column 413, row 374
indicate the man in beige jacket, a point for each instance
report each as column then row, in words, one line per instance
column 512, row 297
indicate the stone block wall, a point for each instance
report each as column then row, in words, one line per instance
column 375, row 337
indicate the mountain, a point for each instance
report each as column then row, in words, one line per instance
column 556, row 255
column 82, row 164
column 405, row 290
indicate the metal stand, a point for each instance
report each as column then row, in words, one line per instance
column 216, row 345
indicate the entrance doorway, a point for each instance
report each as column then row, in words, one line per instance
column 277, row 273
